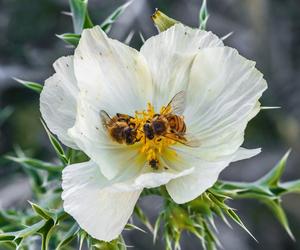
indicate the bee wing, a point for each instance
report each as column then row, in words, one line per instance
column 105, row 118
column 124, row 116
column 186, row 139
column 177, row 103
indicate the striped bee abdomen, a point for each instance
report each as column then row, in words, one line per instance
column 176, row 123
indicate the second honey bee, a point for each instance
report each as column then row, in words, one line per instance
column 170, row 123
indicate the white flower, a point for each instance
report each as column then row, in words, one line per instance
column 222, row 89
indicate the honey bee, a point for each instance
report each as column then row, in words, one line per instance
column 170, row 123
column 120, row 128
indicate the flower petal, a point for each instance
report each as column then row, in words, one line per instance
column 58, row 100
column 170, row 54
column 244, row 153
column 222, row 97
column 115, row 78
column 205, row 174
column 153, row 179
column 189, row 187
column 111, row 75
column 98, row 207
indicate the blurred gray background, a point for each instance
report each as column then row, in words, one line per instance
column 267, row 31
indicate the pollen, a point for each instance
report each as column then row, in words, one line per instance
column 153, row 148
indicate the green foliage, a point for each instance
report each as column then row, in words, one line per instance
column 70, row 38
column 197, row 217
column 143, row 218
column 80, row 15
column 109, row 21
column 267, row 190
column 81, row 20
column 31, row 85
column 5, row 113
column 203, row 15
column 57, row 146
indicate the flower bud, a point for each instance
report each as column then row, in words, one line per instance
column 162, row 21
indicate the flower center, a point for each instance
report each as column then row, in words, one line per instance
column 152, row 130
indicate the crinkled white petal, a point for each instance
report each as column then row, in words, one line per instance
column 170, row 55
column 111, row 77
column 151, row 179
column 205, row 174
column 222, row 97
column 99, row 208
column 244, row 153
column 58, row 100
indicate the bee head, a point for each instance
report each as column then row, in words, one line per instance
column 148, row 130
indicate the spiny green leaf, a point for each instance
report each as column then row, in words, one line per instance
column 142, row 37
column 80, row 15
column 291, row 187
column 203, row 15
column 10, row 215
column 82, row 237
column 35, row 178
column 223, row 38
column 69, row 236
column 106, row 25
column 237, row 219
column 156, row 227
column 45, row 214
column 117, row 244
column 8, row 245
column 46, row 232
column 6, row 237
column 279, row 213
column 31, row 85
column 143, row 218
column 272, row 178
column 130, row 226
column 209, row 241
column 35, row 164
column 56, row 145
column 162, row 21
column 30, row 230
column 70, row 38
column 168, row 242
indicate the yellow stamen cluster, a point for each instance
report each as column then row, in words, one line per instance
column 155, row 147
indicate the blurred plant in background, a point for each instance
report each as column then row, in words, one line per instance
column 45, row 223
